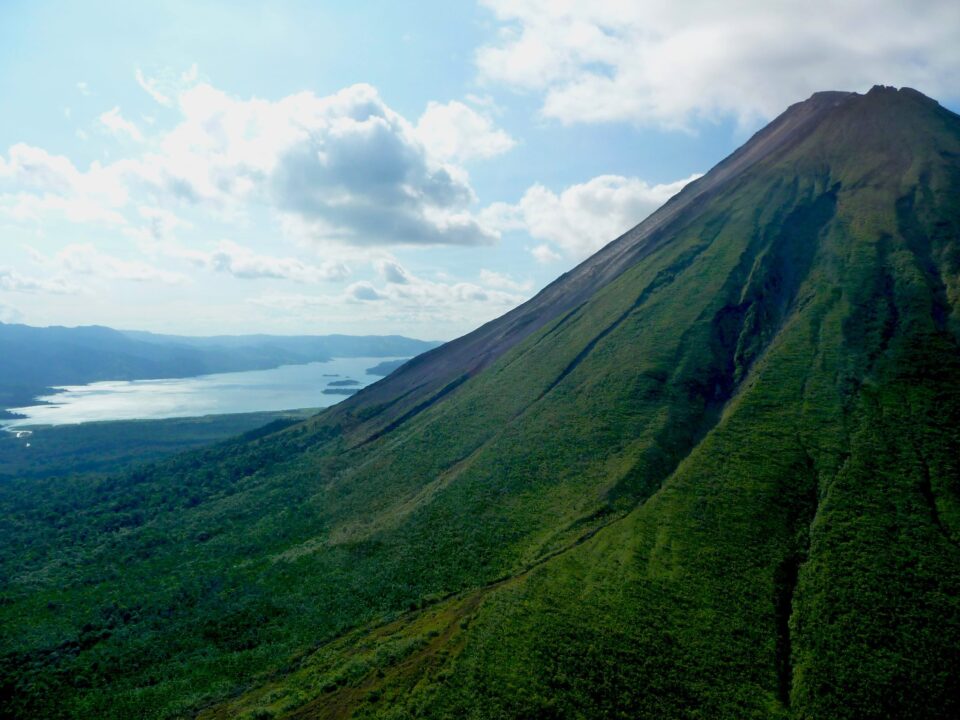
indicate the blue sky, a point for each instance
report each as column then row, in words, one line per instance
column 381, row 167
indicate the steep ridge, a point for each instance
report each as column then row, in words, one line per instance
column 720, row 482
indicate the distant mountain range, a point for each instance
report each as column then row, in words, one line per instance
column 35, row 358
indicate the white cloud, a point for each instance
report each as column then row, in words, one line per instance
column 455, row 131
column 344, row 167
column 149, row 86
column 36, row 208
column 668, row 63
column 160, row 223
column 83, row 88
column 244, row 263
column 35, row 184
column 119, row 125
column 584, row 217
column 364, row 292
column 393, row 272
column 544, row 254
column 418, row 293
column 504, row 282
column 86, row 260
column 70, row 270
column 12, row 281
column 448, row 306
column 32, row 168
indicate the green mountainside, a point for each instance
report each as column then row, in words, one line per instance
column 710, row 473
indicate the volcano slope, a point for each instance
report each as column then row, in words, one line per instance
column 710, row 473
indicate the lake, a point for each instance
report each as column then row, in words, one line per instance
column 283, row 388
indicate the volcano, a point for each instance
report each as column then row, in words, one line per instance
column 711, row 472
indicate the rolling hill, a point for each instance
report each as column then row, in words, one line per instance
column 712, row 472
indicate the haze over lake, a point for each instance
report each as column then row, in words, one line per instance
column 282, row 388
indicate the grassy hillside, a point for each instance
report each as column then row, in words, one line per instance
column 724, row 485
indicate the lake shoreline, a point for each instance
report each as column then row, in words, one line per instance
column 287, row 387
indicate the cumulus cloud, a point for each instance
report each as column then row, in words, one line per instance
column 32, row 168
column 343, row 167
column 364, row 292
column 455, row 131
column 244, row 263
column 35, row 184
column 393, row 272
column 119, row 125
column 584, row 217
column 668, row 63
